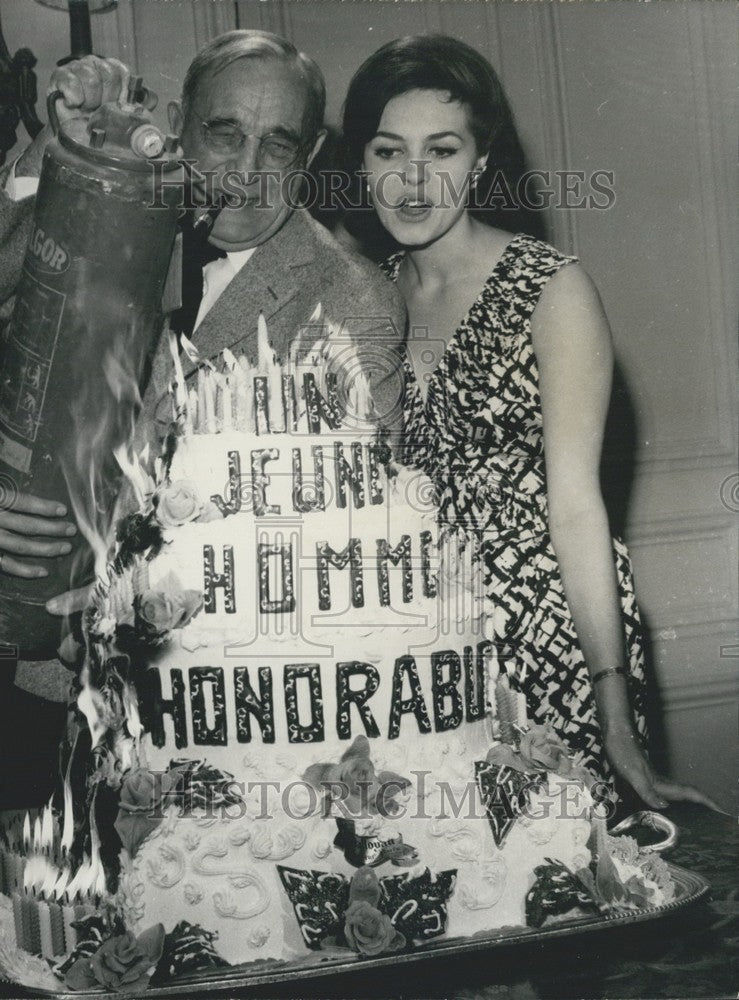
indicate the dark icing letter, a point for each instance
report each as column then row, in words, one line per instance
column 474, row 681
column 309, row 496
column 296, row 731
column 285, row 603
column 346, row 696
column 325, row 557
column 430, row 580
column 321, row 407
column 405, row 666
column 248, row 704
column 202, row 734
column 351, row 475
column 153, row 707
column 260, row 481
column 444, row 690
column 233, row 504
column 212, row 580
column 400, row 554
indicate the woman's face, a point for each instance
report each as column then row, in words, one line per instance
column 419, row 164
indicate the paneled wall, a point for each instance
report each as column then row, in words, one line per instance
column 644, row 91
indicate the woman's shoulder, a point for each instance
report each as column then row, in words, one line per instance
column 525, row 253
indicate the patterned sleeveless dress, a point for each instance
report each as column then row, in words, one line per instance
column 479, row 437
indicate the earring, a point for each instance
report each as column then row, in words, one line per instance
column 475, row 178
column 369, row 191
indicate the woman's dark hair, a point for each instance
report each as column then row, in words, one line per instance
column 439, row 62
column 423, row 62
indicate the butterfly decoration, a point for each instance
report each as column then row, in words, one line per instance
column 416, row 905
column 505, row 791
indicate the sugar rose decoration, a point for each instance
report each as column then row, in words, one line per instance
column 539, row 749
column 363, row 790
column 167, row 606
column 367, row 930
column 144, row 795
column 177, row 503
column 124, row 963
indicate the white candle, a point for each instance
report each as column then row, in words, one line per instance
column 202, row 405
column 264, row 351
column 70, row 934
column 44, row 919
column 248, row 388
column 226, row 403
column 276, row 410
column 18, row 920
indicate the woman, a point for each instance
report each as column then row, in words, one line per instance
column 509, row 374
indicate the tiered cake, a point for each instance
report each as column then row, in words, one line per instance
column 293, row 742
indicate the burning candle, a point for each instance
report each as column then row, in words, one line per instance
column 44, row 922
column 18, row 920
column 29, row 917
column 251, row 424
column 265, row 354
column 68, row 916
column 276, row 411
column 261, row 412
column 192, row 410
column 57, row 928
column 289, row 405
column 226, row 404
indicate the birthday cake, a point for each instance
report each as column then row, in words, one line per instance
column 291, row 734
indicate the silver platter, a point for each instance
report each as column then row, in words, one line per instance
column 689, row 889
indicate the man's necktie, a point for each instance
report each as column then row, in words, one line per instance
column 196, row 253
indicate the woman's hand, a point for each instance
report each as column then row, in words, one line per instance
column 30, row 529
column 630, row 763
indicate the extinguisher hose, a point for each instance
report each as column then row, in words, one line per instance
column 51, row 100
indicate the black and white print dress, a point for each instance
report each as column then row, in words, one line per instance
column 479, row 437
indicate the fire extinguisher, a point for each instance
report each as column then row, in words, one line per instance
column 87, row 307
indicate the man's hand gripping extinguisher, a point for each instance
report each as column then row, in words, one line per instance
column 87, row 307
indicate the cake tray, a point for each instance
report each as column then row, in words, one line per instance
column 689, row 889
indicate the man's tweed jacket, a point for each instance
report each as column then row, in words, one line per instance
column 285, row 279
column 301, row 266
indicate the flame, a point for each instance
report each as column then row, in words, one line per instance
column 36, row 844
column 131, row 709
column 57, row 890
column 82, row 880
column 133, row 467
column 97, row 883
column 68, row 823
column 89, row 878
column 47, row 829
column 49, row 879
column 92, row 705
column 179, row 386
column 103, row 412
column 34, row 872
column 27, row 833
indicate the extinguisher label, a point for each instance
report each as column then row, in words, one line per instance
column 31, row 342
column 47, row 253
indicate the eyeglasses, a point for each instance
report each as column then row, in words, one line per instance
column 275, row 149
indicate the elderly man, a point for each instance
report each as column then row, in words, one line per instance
column 251, row 103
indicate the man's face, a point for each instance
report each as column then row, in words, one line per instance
column 260, row 96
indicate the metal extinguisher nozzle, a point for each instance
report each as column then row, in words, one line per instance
column 147, row 141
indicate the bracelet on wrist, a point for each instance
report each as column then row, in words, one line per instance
column 610, row 672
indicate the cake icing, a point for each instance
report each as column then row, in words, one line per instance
column 297, row 736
